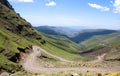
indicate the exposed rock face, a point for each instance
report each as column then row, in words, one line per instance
column 6, row 3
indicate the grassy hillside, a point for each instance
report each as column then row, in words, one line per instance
column 97, row 45
column 86, row 34
column 14, row 33
column 102, row 40
column 62, row 47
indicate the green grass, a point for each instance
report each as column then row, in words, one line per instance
column 8, row 65
column 62, row 47
column 102, row 40
column 56, row 51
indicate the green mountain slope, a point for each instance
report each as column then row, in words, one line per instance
column 63, row 47
column 15, row 32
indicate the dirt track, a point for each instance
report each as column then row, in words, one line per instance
column 99, row 58
column 31, row 64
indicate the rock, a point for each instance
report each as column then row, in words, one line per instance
column 39, row 38
column 43, row 42
column 9, row 28
column 4, row 74
column 74, row 74
column 20, row 27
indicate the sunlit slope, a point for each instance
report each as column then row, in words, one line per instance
column 109, row 44
column 62, row 47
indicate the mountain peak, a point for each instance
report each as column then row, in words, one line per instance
column 6, row 3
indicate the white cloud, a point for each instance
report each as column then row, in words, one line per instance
column 51, row 3
column 22, row 0
column 117, row 6
column 102, row 8
column 111, row 2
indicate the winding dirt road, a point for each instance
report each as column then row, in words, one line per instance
column 32, row 64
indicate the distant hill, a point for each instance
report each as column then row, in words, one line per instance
column 67, row 31
column 86, row 34
column 74, row 34
column 48, row 30
column 101, row 44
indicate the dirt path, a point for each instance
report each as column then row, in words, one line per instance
column 54, row 56
column 99, row 58
column 31, row 64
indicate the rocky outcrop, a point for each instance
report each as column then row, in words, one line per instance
column 6, row 3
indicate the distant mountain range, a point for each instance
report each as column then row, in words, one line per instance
column 86, row 34
column 68, row 31
column 75, row 34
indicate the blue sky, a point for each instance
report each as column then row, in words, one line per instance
column 89, row 13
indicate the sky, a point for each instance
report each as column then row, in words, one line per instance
column 88, row 13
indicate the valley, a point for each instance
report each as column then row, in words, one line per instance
column 26, row 50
